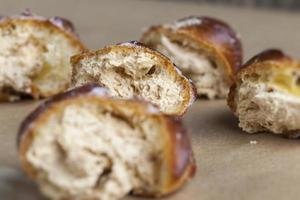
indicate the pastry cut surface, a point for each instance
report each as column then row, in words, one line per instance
column 35, row 56
column 207, row 50
column 266, row 96
column 133, row 70
column 86, row 145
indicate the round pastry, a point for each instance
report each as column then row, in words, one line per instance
column 35, row 56
column 85, row 145
column 266, row 95
column 131, row 69
column 206, row 50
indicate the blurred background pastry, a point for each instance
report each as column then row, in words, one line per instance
column 205, row 49
column 35, row 55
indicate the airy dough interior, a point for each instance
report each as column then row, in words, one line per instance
column 269, row 102
column 206, row 75
column 92, row 152
column 133, row 73
column 32, row 56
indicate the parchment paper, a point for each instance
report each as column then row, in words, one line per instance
column 232, row 165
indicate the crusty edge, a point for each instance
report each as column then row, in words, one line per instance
column 213, row 35
column 269, row 57
column 182, row 165
column 178, row 154
column 188, row 87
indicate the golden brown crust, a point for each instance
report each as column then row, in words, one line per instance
column 268, row 58
column 269, row 55
column 134, row 46
column 55, row 24
column 177, row 154
column 211, row 34
column 231, row 98
column 183, row 165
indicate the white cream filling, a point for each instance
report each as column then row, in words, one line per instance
column 208, row 78
column 260, row 109
column 89, row 153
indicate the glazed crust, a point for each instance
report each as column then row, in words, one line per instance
column 63, row 24
column 268, row 58
column 180, row 164
column 210, row 34
column 56, row 24
column 188, row 87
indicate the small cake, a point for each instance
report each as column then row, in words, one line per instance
column 205, row 49
column 83, row 144
column 266, row 95
column 132, row 70
column 35, row 56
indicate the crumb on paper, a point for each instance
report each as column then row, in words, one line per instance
column 253, row 142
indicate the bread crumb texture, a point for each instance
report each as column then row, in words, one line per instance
column 135, row 73
column 93, row 152
column 269, row 100
column 34, row 57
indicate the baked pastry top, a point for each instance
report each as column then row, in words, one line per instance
column 266, row 95
column 206, row 49
column 133, row 70
column 35, row 55
column 84, row 144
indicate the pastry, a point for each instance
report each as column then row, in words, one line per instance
column 35, row 56
column 131, row 69
column 205, row 49
column 83, row 144
column 266, row 95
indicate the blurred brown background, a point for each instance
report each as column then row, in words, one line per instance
column 270, row 4
column 102, row 22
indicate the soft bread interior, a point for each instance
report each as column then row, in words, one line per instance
column 195, row 63
column 34, row 56
column 128, row 73
column 269, row 100
column 93, row 151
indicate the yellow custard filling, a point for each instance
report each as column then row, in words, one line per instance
column 287, row 82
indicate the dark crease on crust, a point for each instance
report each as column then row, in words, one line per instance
column 83, row 90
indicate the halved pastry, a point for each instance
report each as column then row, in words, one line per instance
column 35, row 56
column 205, row 49
column 85, row 145
column 266, row 95
column 131, row 69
